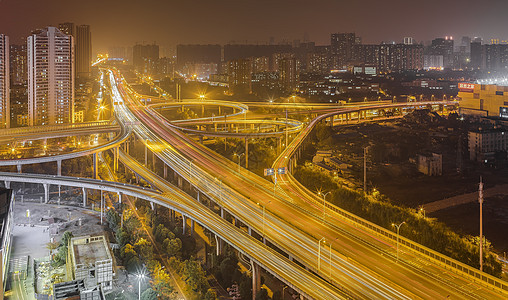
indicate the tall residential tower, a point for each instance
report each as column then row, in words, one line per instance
column 4, row 82
column 50, row 77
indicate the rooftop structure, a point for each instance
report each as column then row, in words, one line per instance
column 90, row 259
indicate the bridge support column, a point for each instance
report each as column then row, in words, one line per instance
column 146, row 156
column 246, row 153
column 249, row 230
column 119, row 197
column 102, row 205
column 218, row 244
column 19, row 168
column 7, row 184
column 201, row 139
column 180, row 182
column 84, row 196
column 95, row 168
column 59, row 194
column 116, row 151
column 256, row 279
column 46, row 192
column 151, row 205
column 184, row 224
column 154, row 159
column 165, row 171
column 59, row 167
column 192, row 227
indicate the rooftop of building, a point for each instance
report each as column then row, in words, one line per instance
column 89, row 250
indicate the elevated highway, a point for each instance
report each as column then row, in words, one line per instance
column 365, row 266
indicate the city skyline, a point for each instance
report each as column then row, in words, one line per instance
column 169, row 24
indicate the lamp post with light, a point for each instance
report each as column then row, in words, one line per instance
column 398, row 229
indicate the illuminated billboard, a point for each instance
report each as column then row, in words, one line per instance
column 466, row 87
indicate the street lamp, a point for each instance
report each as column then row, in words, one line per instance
column 324, row 203
column 239, row 158
column 421, row 210
column 264, row 213
column 140, row 277
column 398, row 229
column 319, row 253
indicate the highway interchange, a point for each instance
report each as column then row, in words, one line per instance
column 361, row 264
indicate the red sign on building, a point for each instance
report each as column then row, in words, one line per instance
column 466, row 87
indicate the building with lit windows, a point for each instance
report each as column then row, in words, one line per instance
column 5, row 117
column 50, row 77
column 484, row 144
column 83, row 51
column 239, row 75
column 488, row 100
column 18, row 65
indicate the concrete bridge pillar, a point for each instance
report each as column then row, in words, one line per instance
column 95, row 167
column 119, row 197
column 46, row 192
column 192, row 227
column 154, row 159
column 184, row 224
column 116, row 152
column 246, row 153
column 256, row 279
column 59, row 167
column 165, row 171
column 146, row 156
column 84, row 196
column 7, row 184
column 19, row 168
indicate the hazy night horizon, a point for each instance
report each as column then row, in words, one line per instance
column 168, row 23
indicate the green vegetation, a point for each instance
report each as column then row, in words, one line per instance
column 380, row 211
column 60, row 257
column 149, row 238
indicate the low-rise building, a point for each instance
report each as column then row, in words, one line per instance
column 76, row 290
column 430, row 164
column 5, row 235
column 90, row 259
column 484, row 144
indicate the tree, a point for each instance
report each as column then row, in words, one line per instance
column 66, row 237
column 149, row 294
column 195, row 276
column 262, row 295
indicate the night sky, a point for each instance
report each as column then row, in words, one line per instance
column 125, row 22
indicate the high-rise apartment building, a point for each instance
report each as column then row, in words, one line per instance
column 82, row 47
column 145, row 57
column 83, row 50
column 5, row 116
column 50, row 77
column 289, row 75
column 67, row 28
column 443, row 46
column 342, row 48
column 19, row 72
column 239, row 75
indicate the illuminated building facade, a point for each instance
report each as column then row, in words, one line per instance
column 50, row 77
column 483, row 99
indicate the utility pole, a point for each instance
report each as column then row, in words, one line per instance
column 365, row 150
column 480, row 200
column 287, row 139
